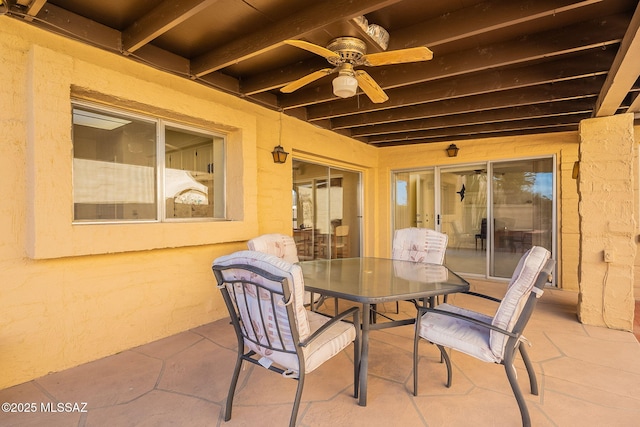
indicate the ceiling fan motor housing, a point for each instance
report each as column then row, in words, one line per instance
column 350, row 49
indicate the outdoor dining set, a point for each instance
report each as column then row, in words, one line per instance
column 274, row 299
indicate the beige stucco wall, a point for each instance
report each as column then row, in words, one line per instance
column 72, row 294
column 608, row 229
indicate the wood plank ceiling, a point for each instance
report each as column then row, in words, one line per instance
column 500, row 67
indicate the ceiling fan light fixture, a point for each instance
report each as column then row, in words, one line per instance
column 345, row 86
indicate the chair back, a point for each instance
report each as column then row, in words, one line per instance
column 264, row 296
column 280, row 245
column 419, row 245
column 532, row 271
column 342, row 231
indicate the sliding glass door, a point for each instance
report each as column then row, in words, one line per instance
column 415, row 199
column 326, row 211
column 492, row 212
column 523, row 211
column 463, row 211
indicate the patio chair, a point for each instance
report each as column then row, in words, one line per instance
column 284, row 247
column 419, row 245
column 490, row 339
column 264, row 296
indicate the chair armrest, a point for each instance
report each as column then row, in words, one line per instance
column 422, row 310
column 353, row 311
column 475, row 294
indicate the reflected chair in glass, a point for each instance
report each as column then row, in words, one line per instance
column 341, row 242
column 264, row 296
column 482, row 235
column 490, row 339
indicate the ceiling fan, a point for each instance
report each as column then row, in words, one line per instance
column 345, row 53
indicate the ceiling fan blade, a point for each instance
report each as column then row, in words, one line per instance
column 307, row 79
column 413, row 54
column 370, row 87
column 313, row 48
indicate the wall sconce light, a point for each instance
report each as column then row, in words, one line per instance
column 452, row 151
column 279, row 155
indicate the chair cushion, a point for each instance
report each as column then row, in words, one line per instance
column 520, row 286
column 280, row 245
column 332, row 341
column 419, row 245
column 278, row 267
column 458, row 334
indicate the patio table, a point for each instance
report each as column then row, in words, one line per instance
column 372, row 281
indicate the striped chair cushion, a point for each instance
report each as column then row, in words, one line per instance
column 280, row 245
column 520, row 286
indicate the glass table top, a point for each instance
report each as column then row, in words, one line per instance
column 376, row 280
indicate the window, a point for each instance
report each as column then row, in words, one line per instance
column 124, row 163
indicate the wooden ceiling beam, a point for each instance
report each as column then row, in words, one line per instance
column 624, row 73
column 566, row 90
column 509, row 126
column 571, row 67
column 535, row 111
column 479, row 19
column 68, row 24
column 486, row 16
column 273, row 80
column 466, row 134
column 294, row 26
column 74, row 26
column 602, row 33
column 33, row 8
column 161, row 19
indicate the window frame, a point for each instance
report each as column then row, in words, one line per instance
column 50, row 232
column 161, row 125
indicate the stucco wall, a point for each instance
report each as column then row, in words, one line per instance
column 74, row 293
column 608, row 226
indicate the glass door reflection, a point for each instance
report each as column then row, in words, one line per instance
column 326, row 211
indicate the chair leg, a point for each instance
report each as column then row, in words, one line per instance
column 357, row 354
column 416, row 339
column 532, row 374
column 296, row 402
column 445, row 356
column 232, row 388
column 513, row 381
column 356, row 367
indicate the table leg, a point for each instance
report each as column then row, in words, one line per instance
column 364, row 355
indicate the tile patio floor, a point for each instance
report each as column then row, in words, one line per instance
column 588, row 376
